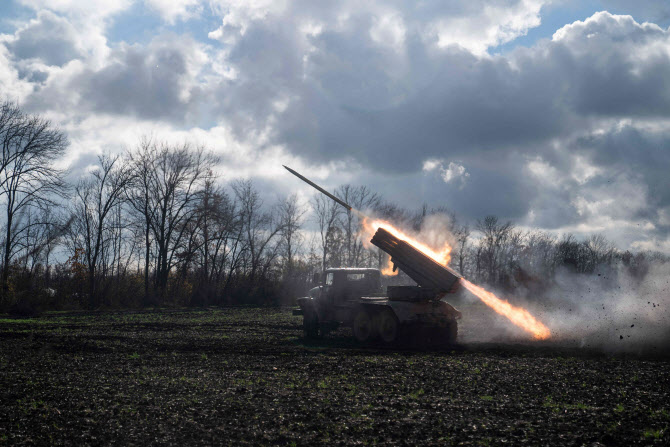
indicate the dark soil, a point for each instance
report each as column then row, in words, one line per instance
column 246, row 376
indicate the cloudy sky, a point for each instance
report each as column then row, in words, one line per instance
column 553, row 114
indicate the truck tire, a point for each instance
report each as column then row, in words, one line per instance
column 387, row 326
column 362, row 326
column 310, row 323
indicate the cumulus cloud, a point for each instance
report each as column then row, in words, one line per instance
column 13, row 83
column 149, row 82
column 486, row 24
column 453, row 173
column 154, row 81
column 49, row 38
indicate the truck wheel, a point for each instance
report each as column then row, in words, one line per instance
column 388, row 326
column 362, row 326
column 310, row 323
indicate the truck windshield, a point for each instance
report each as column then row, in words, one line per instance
column 329, row 279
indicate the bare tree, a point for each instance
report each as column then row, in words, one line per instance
column 290, row 222
column 139, row 195
column 494, row 236
column 360, row 198
column 600, row 251
column 570, row 253
column 167, row 181
column 216, row 228
column 539, row 256
column 28, row 178
column 12, row 127
column 178, row 173
column 30, row 240
column 124, row 242
column 95, row 198
column 259, row 227
column 326, row 213
column 41, row 234
column 462, row 235
column 54, row 227
column 205, row 250
column 336, row 241
column 234, row 249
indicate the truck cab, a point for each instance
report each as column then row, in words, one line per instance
column 331, row 302
column 345, row 284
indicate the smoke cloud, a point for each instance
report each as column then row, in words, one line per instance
column 613, row 309
column 610, row 311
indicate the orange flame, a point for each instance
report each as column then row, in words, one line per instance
column 388, row 270
column 370, row 226
column 517, row 315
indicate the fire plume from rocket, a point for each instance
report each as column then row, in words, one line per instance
column 517, row 315
column 442, row 254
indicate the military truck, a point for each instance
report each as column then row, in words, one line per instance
column 354, row 297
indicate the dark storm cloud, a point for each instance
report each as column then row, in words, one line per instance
column 493, row 191
column 146, row 82
column 465, row 104
column 269, row 60
column 614, row 67
column 390, row 109
column 50, row 38
column 351, row 97
column 644, row 154
column 35, row 76
column 488, row 189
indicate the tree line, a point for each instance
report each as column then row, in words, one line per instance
column 154, row 226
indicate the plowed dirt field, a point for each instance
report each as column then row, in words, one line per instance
column 238, row 376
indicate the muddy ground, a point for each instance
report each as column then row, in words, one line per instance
column 245, row 376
